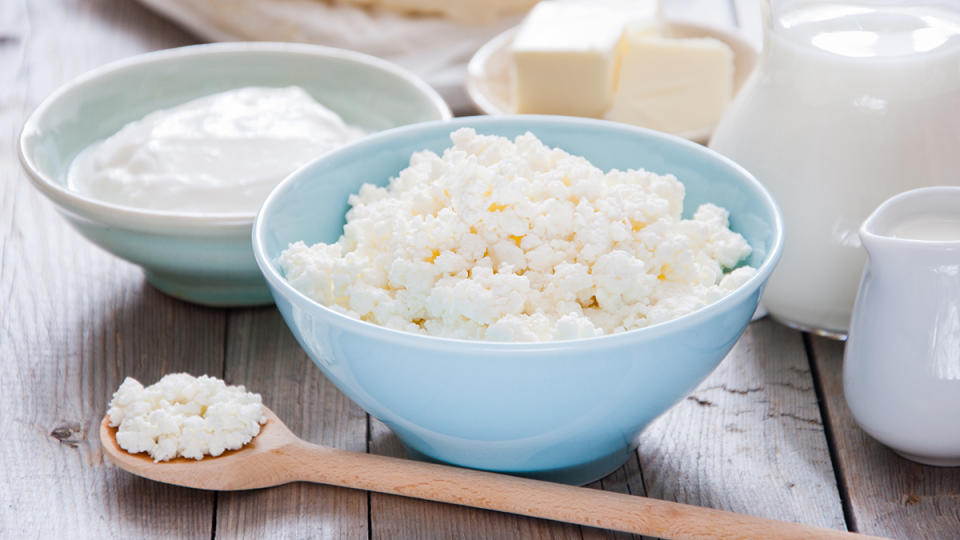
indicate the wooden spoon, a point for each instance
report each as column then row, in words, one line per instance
column 276, row 456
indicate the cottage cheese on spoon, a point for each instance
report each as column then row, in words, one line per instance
column 219, row 154
column 182, row 415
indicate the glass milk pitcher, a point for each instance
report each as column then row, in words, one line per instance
column 851, row 103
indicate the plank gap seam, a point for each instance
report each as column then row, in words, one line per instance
column 848, row 515
column 369, row 497
column 213, row 524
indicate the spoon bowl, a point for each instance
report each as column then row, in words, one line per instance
column 246, row 468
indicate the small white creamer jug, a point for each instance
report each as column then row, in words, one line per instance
column 901, row 372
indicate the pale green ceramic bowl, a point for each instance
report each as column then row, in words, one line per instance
column 205, row 259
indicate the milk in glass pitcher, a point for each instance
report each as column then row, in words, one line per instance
column 851, row 103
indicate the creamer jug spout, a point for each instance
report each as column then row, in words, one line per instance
column 926, row 219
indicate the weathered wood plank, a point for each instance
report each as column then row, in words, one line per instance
column 400, row 517
column 750, row 438
column 887, row 494
column 75, row 320
column 263, row 355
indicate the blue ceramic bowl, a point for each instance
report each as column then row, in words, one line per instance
column 568, row 411
column 201, row 258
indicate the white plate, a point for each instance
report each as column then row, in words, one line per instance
column 489, row 78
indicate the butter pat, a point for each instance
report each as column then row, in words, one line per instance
column 678, row 86
column 566, row 56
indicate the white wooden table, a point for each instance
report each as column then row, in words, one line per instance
column 767, row 434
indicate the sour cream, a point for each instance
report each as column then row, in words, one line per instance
column 219, row 154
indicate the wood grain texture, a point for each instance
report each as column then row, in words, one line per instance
column 74, row 319
column 263, row 355
column 753, row 427
column 887, row 494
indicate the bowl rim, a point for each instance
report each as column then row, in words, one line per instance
column 280, row 286
column 174, row 221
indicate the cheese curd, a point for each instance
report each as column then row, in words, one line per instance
column 182, row 415
column 513, row 241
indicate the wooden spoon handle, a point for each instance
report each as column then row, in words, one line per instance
column 584, row 506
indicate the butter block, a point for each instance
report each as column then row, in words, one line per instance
column 567, row 54
column 673, row 85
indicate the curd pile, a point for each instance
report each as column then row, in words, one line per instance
column 186, row 416
column 219, row 154
column 514, row 241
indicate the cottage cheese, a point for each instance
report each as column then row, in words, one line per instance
column 218, row 154
column 514, row 241
column 182, row 415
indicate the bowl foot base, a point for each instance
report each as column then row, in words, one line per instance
column 213, row 292
column 925, row 460
column 839, row 335
column 577, row 475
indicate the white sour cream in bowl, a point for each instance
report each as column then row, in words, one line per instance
column 163, row 159
column 218, row 154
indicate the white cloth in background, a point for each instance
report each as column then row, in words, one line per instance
column 434, row 48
